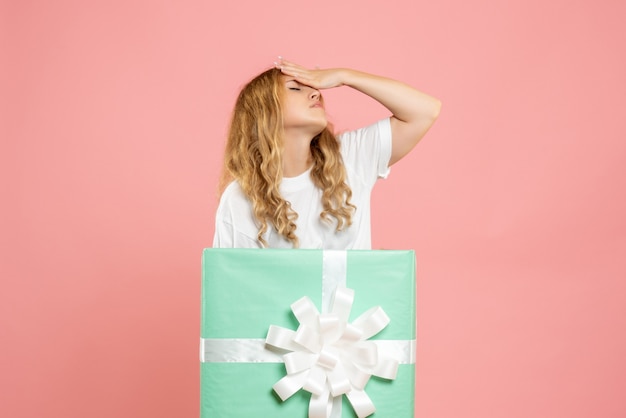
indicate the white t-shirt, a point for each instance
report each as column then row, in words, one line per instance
column 366, row 153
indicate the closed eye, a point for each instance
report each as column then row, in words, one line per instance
column 294, row 88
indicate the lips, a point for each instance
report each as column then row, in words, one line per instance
column 317, row 104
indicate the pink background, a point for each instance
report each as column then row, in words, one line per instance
column 113, row 121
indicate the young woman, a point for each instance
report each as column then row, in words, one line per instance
column 288, row 181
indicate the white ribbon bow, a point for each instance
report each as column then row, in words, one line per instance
column 330, row 357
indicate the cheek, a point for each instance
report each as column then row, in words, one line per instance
column 288, row 115
column 290, row 109
column 288, row 102
column 286, row 105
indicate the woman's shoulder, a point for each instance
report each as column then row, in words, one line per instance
column 380, row 129
column 234, row 225
column 232, row 190
column 366, row 151
column 233, row 197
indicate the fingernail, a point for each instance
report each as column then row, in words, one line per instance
column 280, row 57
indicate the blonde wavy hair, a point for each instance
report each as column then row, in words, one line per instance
column 253, row 157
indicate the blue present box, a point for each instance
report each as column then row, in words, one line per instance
column 245, row 292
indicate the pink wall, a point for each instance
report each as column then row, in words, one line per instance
column 113, row 119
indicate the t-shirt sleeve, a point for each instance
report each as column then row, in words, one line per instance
column 234, row 226
column 367, row 151
column 224, row 234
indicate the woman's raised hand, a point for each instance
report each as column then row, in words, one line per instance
column 316, row 78
column 413, row 112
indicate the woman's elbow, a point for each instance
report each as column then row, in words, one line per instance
column 436, row 109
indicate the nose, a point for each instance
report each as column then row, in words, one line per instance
column 315, row 94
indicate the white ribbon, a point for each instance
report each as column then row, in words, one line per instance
column 330, row 357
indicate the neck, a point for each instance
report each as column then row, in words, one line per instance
column 296, row 155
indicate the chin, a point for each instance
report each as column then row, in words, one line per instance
column 320, row 129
